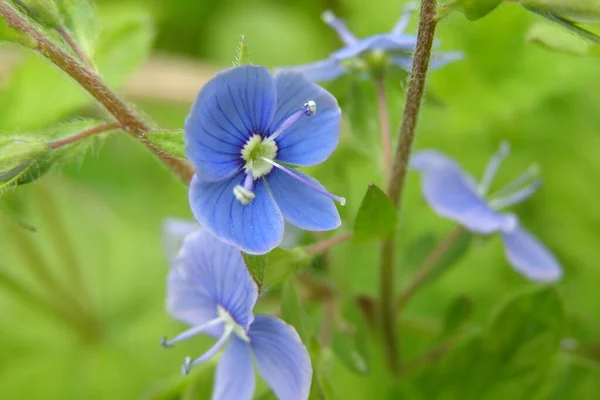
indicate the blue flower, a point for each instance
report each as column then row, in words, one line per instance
column 374, row 52
column 454, row 194
column 244, row 124
column 210, row 289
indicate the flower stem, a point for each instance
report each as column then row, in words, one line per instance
column 328, row 243
column 384, row 123
column 94, row 85
column 416, row 86
column 73, row 45
column 428, row 267
column 88, row 132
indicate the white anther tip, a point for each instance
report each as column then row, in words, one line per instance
column 310, row 108
column 342, row 201
column 187, row 365
column 328, row 16
column 164, row 343
column 243, row 195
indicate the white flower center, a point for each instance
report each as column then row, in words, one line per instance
column 230, row 324
column 255, row 151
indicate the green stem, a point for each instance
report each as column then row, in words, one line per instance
column 384, row 124
column 94, row 85
column 328, row 243
column 414, row 96
column 428, row 267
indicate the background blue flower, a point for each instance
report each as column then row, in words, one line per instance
column 244, row 124
column 377, row 51
column 454, row 194
column 210, row 288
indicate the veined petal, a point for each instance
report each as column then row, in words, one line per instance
column 387, row 42
column 254, row 228
column 310, row 140
column 301, row 205
column 452, row 194
column 210, row 268
column 319, row 71
column 189, row 303
column 229, row 109
column 174, row 231
column 234, row 379
column 282, row 359
column 529, row 256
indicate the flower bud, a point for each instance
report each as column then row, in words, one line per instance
column 18, row 154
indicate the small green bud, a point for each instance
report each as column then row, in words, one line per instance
column 18, row 154
column 474, row 9
column 44, row 12
column 575, row 10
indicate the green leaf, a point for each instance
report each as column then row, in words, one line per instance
column 79, row 18
column 459, row 312
column 171, row 142
column 474, row 9
column 243, row 55
column 575, row 10
column 44, row 12
column 291, row 309
column 457, row 250
column 257, row 266
column 349, row 343
column 564, row 20
column 376, row 218
column 557, row 39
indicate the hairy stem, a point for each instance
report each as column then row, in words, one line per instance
column 88, row 132
column 384, row 124
column 94, row 85
column 428, row 267
column 74, row 46
column 427, row 25
column 328, row 243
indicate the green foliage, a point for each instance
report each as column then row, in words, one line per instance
column 79, row 18
column 44, row 12
column 376, row 218
column 349, row 341
column 243, row 55
column 576, row 10
column 557, row 39
column 257, row 266
column 458, row 314
column 473, row 9
column 172, row 142
column 18, row 153
column 291, row 309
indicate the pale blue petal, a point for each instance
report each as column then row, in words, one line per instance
column 319, row 71
column 310, row 140
column 530, row 257
column 281, row 358
column 388, row 42
column 234, row 378
column 189, row 304
column 214, row 269
column 424, row 160
column 255, row 228
column 452, row 194
column 174, row 231
column 301, row 205
column 443, row 58
column 404, row 61
column 230, row 108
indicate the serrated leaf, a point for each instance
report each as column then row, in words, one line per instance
column 243, row 55
column 291, row 309
column 376, row 218
column 475, row 9
column 171, row 142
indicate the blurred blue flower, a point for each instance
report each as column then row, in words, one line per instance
column 244, row 124
column 210, row 288
column 454, row 194
column 372, row 53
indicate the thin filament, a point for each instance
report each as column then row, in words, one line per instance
column 192, row 332
column 340, row 27
column 516, row 197
column 492, row 168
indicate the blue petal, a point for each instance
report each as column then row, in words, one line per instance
column 231, row 107
column 234, row 378
column 301, row 205
column 443, row 58
column 404, row 61
column 255, row 228
column 425, row 160
column 281, row 358
column 310, row 140
column 210, row 268
column 188, row 303
column 388, row 42
column 452, row 194
column 529, row 256
column 319, row 71
column 174, row 231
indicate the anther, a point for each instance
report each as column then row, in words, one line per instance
column 163, row 343
column 308, row 109
column 243, row 195
column 187, row 365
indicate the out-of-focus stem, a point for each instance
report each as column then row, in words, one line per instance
column 384, row 125
column 328, row 243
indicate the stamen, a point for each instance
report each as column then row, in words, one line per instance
column 187, row 363
column 308, row 109
column 340, row 27
column 191, row 332
column 530, row 174
column 339, row 199
column 245, row 193
column 517, row 197
column 492, row 168
column 404, row 18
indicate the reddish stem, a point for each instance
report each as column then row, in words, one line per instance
column 88, row 132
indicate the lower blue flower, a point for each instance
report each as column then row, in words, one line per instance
column 454, row 194
column 210, row 289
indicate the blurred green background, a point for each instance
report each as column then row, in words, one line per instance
column 101, row 217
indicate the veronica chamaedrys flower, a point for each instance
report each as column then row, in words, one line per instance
column 372, row 53
column 244, row 125
column 210, row 289
column 454, row 194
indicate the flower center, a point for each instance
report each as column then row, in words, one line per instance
column 230, row 324
column 255, row 151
